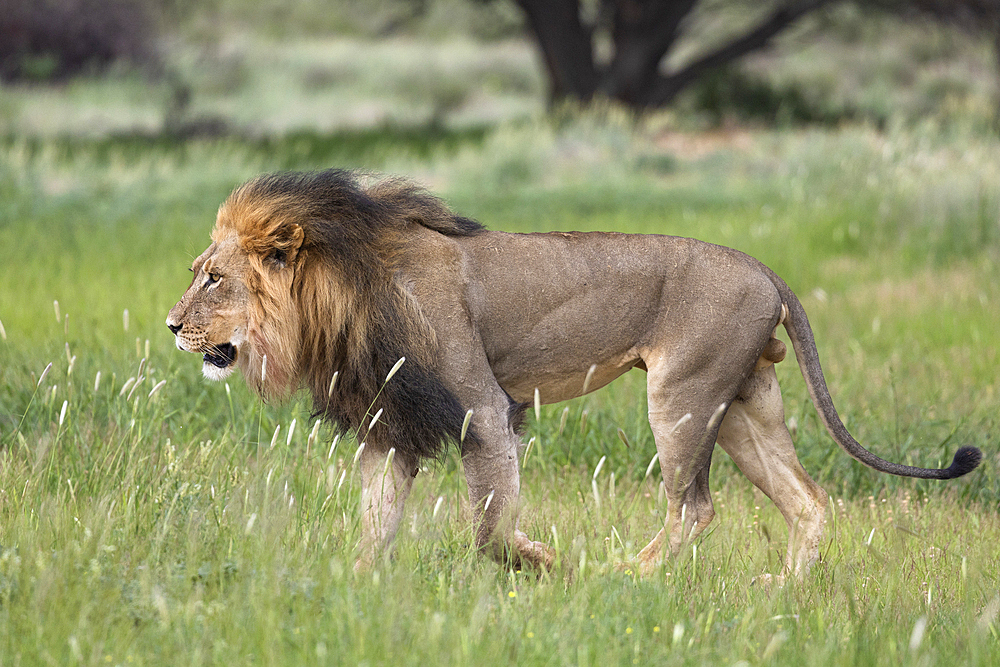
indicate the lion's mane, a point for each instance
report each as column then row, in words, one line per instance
column 341, row 309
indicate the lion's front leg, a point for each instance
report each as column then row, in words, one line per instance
column 491, row 470
column 386, row 480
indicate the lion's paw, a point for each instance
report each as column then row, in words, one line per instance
column 536, row 554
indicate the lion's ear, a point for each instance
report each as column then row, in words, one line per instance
column 285, row 249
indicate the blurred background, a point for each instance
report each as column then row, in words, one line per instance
column 185, row 68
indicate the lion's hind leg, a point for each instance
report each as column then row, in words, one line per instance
column 682, row 525
column 690, row 388
column 684, row 428
column 754, row 435
column 684, row 446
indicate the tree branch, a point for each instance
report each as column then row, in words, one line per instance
column 663, row 91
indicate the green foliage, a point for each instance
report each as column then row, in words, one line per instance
column 193, row 525
column 731, row 92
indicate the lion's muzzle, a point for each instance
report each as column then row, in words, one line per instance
column 219, row 356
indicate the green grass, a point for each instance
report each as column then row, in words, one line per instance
column 177, row 528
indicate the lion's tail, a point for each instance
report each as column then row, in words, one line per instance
column 797, row 324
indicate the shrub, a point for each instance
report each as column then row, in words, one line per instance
column 733, row 92
column 46, row 40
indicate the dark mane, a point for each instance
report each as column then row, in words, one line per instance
column 357, row 320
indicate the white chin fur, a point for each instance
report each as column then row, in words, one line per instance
column 213, row 372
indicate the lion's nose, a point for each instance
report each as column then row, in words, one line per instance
column 174, row 328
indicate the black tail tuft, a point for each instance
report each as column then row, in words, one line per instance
column 965, row 461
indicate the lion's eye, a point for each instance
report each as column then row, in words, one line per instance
column 213, row 278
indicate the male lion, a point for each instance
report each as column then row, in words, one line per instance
column 316, row 280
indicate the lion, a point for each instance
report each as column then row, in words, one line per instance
column 322, row 281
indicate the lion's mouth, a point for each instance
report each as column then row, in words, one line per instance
column 221, row 356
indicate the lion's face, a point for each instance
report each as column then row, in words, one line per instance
column 213, row 317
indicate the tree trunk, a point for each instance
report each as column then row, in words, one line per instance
column 643, row 32
column 667, row 87
column 566, row 47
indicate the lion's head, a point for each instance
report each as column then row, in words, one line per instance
column 239, row 311
column 298, row 284
column 211, row 318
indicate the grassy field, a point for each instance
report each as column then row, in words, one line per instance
column 148, row 517
column 167, row 520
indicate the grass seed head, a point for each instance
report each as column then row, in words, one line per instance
column 527, row 449
column 652, row 462
column 333, row 447
column 388, row 461
column 680, row 422
column 489, row 499
column 465, row 424
column 717, row 416
column 624, row 438
column 125, row 387
column 917, row 636
column 313, row 434
column 600, row 464
column 590, row 376
column 156, row 388
column 395, row 367
column 42, row 376
column 138, row 381
column 357, row 454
